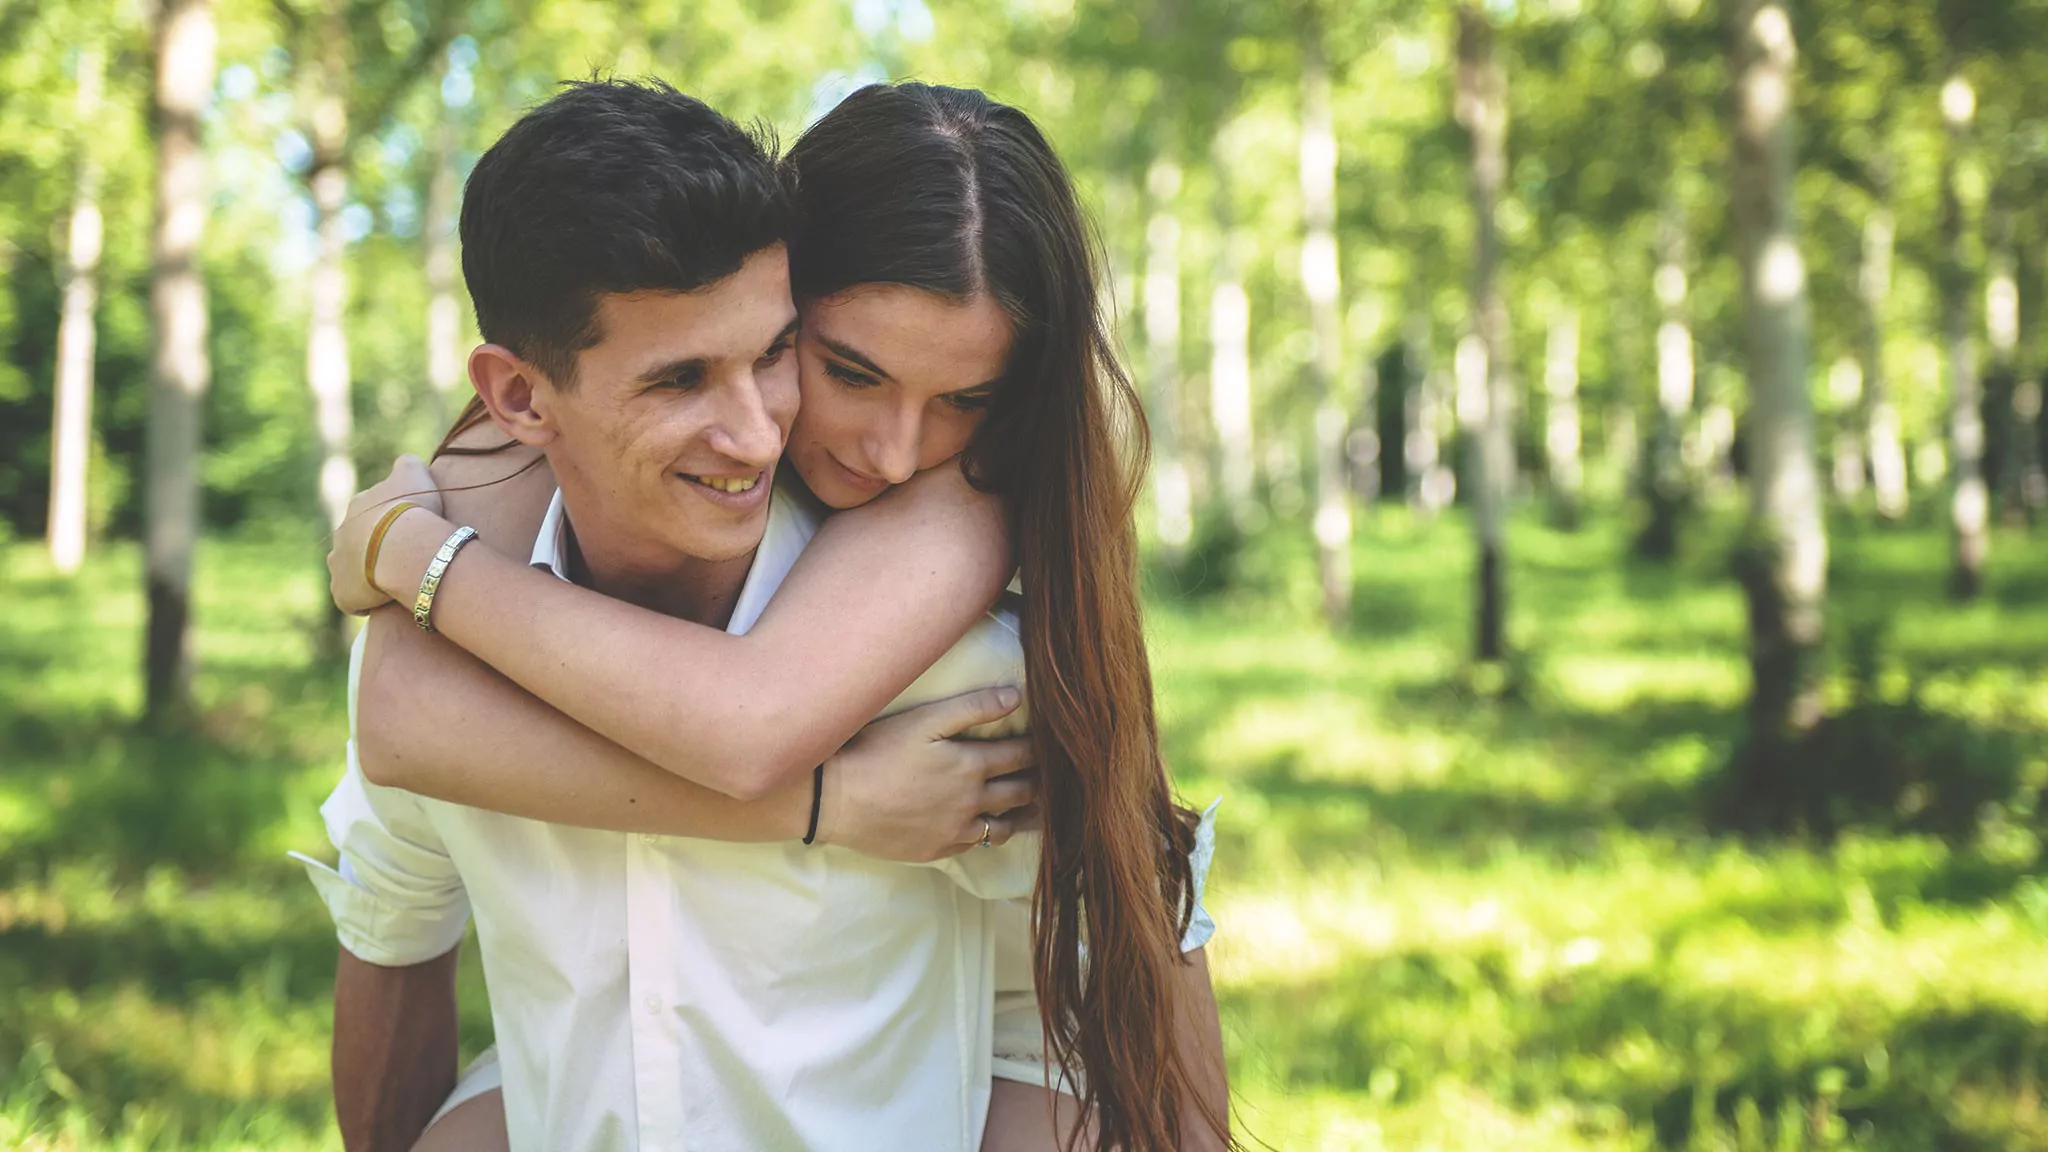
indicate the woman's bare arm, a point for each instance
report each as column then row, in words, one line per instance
column 899, row 791
column 879, row 595
column 432, row 719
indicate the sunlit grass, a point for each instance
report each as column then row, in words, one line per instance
column 1460, row 910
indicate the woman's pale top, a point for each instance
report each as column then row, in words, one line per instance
column 660, row 992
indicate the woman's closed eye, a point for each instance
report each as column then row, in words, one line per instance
column 968, row 401
column 851, row 377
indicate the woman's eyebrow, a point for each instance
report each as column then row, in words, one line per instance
column 846, row 353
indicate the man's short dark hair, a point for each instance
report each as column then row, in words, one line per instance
column 610, row 186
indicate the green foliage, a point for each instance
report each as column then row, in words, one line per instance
column 1450, row 917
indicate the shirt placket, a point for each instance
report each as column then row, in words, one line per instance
column 651, row 974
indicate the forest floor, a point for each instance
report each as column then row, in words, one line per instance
column 1459, row 909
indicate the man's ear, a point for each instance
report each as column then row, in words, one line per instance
column 515, row 392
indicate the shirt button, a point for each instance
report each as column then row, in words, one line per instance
column 648, row 838
column 654, row 1005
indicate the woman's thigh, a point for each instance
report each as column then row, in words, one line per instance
column 475, row 1125
column 1030, row 1118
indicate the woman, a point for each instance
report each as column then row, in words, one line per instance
column 948, row 287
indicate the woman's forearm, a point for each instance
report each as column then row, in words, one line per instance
column 434, row 720
column 881, row 593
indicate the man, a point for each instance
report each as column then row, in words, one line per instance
column 668, row 221
column 623, row 246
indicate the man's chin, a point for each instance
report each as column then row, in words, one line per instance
column 729, row 542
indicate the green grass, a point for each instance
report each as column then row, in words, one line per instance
column 1460, row 909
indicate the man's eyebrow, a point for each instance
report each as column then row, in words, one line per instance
column 846, row 353
column 697, row 364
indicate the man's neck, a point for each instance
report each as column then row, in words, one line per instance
column 700, row 591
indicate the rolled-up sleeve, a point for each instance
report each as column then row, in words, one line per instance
column 397, row 899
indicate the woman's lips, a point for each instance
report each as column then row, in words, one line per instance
column 860, row 480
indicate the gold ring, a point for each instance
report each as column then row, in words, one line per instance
column 984, row 833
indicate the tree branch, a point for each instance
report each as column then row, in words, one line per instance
column 432, row 42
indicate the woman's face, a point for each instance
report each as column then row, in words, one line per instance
column 895, row 380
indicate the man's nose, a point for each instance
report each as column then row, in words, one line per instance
column 749, row 433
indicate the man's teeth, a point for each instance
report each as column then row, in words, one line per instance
column 728, row 483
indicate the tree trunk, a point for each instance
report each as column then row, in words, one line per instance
column 1432, row 485
column 1230, row 377
column 1873, row 290
column 1319, row 280
column 1362, row 445
column 1561, row 438
column 327, row 366
column 1482, row 109
column 2026, row 449
column 1667, row 482
column 445, row 370
column 1969, row 506
column 1783, row 558
column 1172, row 499
column 71, row 422
column 1845, row 392
column 179, row 367
column 2018, row 466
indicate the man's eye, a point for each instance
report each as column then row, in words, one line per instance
column 681, row 383
column 848, row 376
column 774, row 354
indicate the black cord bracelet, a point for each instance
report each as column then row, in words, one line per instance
column 817, row 800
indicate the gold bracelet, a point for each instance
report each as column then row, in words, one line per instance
column 423, row 607
column 377, row 539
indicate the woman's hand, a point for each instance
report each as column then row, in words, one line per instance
column 904, row 789
column 347, row 583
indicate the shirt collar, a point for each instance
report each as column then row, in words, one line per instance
column 788, row 529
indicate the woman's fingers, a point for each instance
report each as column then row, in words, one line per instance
column 999, row 829
column 1004, row 794
column 950, row 717
column 1000, row 757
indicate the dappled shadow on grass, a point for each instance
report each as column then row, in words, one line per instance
column 1441, row 821
column 1682, row 1063
column 133, row 801
column 177, row 954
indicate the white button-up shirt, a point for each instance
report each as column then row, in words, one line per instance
column 668, row 993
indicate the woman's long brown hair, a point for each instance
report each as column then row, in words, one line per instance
column 945, row 190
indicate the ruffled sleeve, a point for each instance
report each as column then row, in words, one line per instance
column 1202, row 926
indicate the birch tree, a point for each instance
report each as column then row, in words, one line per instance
column 349, row 79
column 1319, row 281
column 71, row 419
column 1230, row 359
column 1667, row 483
column 1173, row 499
column 1482, row 109
column 1783, row 558
column 1873, row 293
column 1970, row 500
column 184, row 37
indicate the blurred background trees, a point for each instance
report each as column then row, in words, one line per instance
column 1735, row 293
column 1365, row 255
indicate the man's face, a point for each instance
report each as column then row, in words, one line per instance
column 666, row 448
